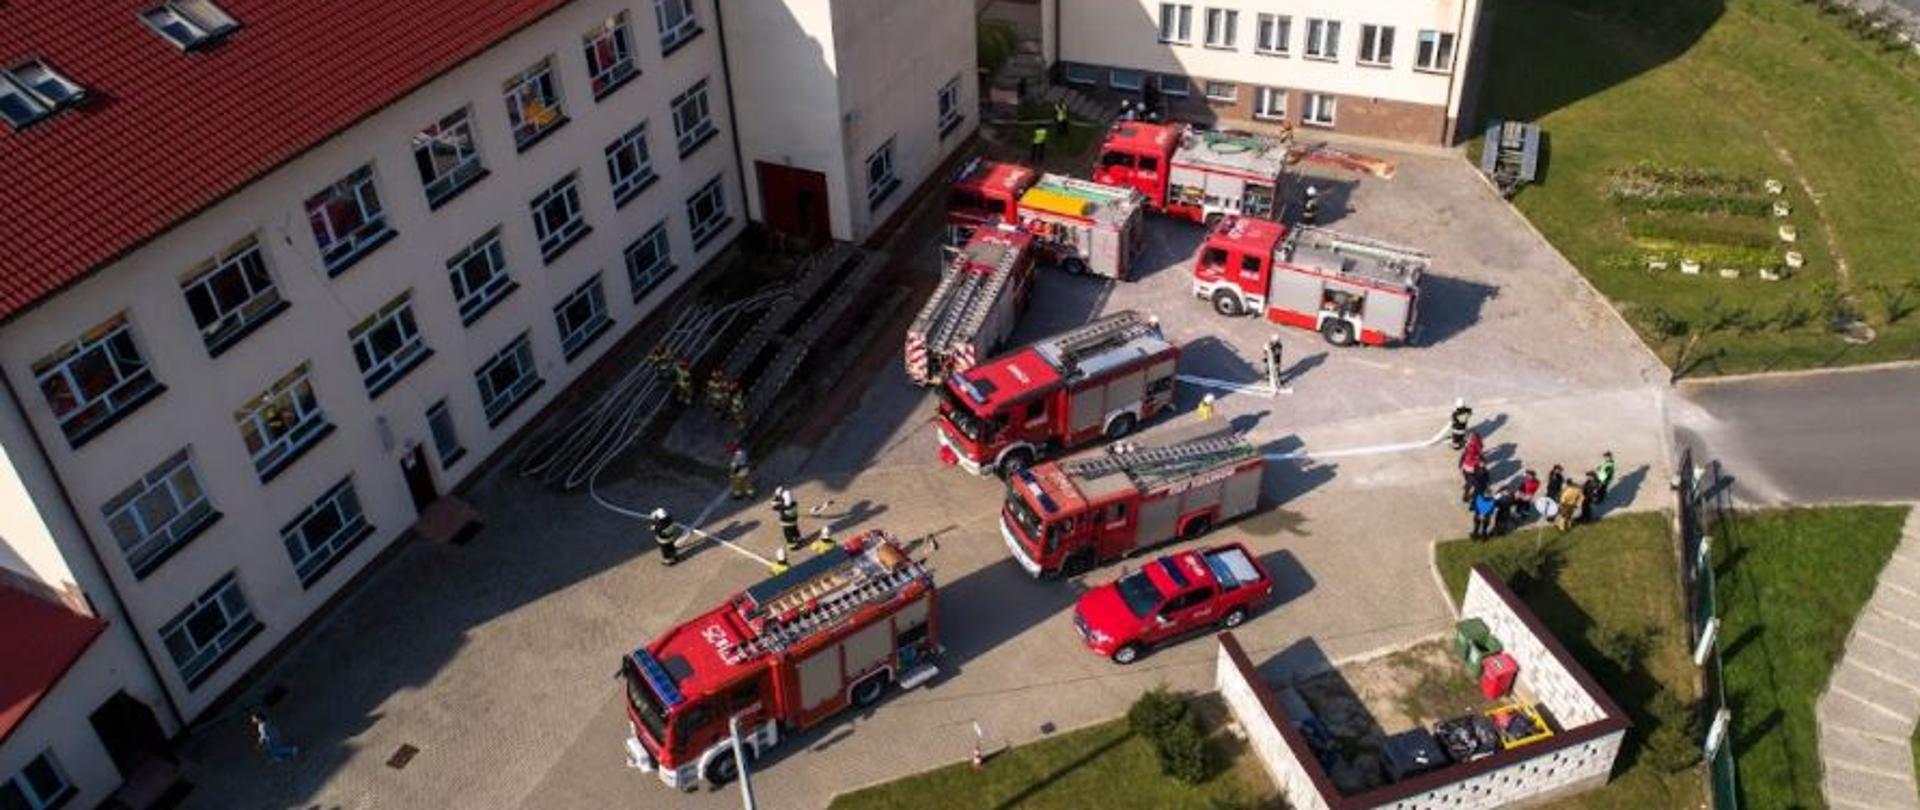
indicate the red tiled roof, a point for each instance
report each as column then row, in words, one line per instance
column 164, row 134
column 39, row 640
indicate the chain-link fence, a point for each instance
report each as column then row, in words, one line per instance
column 1704, row 509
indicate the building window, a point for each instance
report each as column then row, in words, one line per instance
column 1082, row 74
column 348, row 221
column 507, row 379
column 1269, row 103
column 881, row 181
column 33, row 91
column 95, row 380
column 707, row 212
column 677, row 23
column 1435, row 51
column 692, row 121
column 1376, row 45
column 609, row 55
column 479, row 274
column 42, row 785
column 629, row 165
column 282, row 423
column 1128, row 80
column 582, row 317
column 324, row 532
column 1319, row 109
column 209, row 631
column 190, row 24
column 1223, row 27
column 446, row 440
column 1275, row 33
column 159, row 514
column 231, row 294
column 447, row 158
column 557, row 218
column 948, row 102
column 1323, row 39
column 1222, row 91
column 1173, row 85
column 534, row 107
column 648, row 261
column 387, row 345
column 1176, row 23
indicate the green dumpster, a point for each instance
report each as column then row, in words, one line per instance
column 1473, row 641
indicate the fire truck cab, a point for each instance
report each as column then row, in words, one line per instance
column 1062, row 518
column 1348, row 288
column 985, row 193
column 1195, row 174
column 1101, row 379
column 834, row 631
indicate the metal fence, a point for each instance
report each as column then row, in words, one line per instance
column 1704, row 510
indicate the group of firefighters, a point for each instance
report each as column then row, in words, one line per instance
column 724, row 395
column 1558, row 499
column 667, row 532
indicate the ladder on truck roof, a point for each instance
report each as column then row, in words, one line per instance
column 1156, row 465
column 970, row 296
column 1069, row 349
column 1397, row 257
column 821, row 602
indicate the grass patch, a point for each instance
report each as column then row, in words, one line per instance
column 1105, row 766
column 1792, row 583
column 995, row 40
column 1595, row 585
column 1725, row 93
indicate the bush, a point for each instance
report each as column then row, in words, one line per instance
column 1165, row 721
column 1155, row 712
column 1673, row 744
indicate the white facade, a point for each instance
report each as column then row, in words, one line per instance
column 825, row 85
column 369, row 432
column 1410, row 89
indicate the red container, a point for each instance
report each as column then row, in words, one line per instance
column 1497, row 672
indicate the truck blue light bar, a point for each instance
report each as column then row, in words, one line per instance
column 657, row 677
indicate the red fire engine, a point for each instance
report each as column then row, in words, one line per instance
column 975, row 306
column 1345, row 287
column 834, row 631
column 1098, row 380
column 1085, row 227
column 1061, row 518
column 1194, row 174
column 985, row 192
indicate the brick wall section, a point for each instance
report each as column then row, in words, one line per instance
column 1425, row 124
column 1542, row 676
column 1557, row 773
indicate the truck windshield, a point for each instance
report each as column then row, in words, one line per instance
column 1023, row 515
column 961, row 416
column 645, row 705
column 1140, row 594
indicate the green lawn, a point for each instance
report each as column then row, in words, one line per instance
column 1791, row 584
column 1104, row 766
column 1754, row 89
column 1611, row 579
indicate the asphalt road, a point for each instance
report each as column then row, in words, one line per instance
column 1842, row 436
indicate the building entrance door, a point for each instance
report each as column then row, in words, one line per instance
column 130, row 733
column 794, row 202
column 419, row 476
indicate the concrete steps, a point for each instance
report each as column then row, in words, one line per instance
column 1872, row 702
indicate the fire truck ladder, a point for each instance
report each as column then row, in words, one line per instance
column 972, row 301
column 1156, row 464
column 825, row 601
column 1394, row 256
column 1101, row 335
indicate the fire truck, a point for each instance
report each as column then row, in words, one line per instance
column 1084, row 227
column 1348, row 288
column 1101, row 379
column 834, row 631
column 1062, row 518
column 985, row 192
column 1195, row 174
column 974, row 307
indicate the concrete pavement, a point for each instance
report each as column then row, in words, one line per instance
column 1872, row 702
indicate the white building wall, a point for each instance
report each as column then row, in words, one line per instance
column 787, row 96
column 1263, row 735
column 60, row 723
column 1541, row 676
column 203, row 391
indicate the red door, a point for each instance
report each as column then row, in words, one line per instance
column 793, row 202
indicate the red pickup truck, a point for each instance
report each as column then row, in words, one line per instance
column 1170, row 597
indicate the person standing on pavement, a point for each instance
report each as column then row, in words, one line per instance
column 1571, row 502
column 1037, row 153
column 1483, row 509
column 1457, row 423
column 666, row 536
column 1275, row 365
column 1590, row 494
column 1205, row 412
column 1470, row 456
column 789, row 513
column 267, row 738
column 1060, row 118
column 1310, row 210
column 1556, row 481
column 1478, row 480
column 739, row 474
column 1605, row 473
column 1529, row 490
column 683, row 382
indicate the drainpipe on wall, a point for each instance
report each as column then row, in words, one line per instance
column 733, row 117
column 1453, row 76
column 93, row 553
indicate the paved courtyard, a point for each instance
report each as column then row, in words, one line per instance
column 496, row 660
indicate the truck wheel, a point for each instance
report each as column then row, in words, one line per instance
column 1014, row 462
column 1233, row 618
column 868, row 692
column 1120, row 427
column 1337, row 332
column 1126, row 655
column 723, row 770
column 1197, row 527
column 1074, row 266
column 1227, row 303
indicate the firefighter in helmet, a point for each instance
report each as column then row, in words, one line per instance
column 1457, row 423
column 737, row 407
column 666, row 535
column 683, row 381
column 660, row 359
column 789, row 513
column 1310, row 211
column 739, row 474
column 717, row 386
